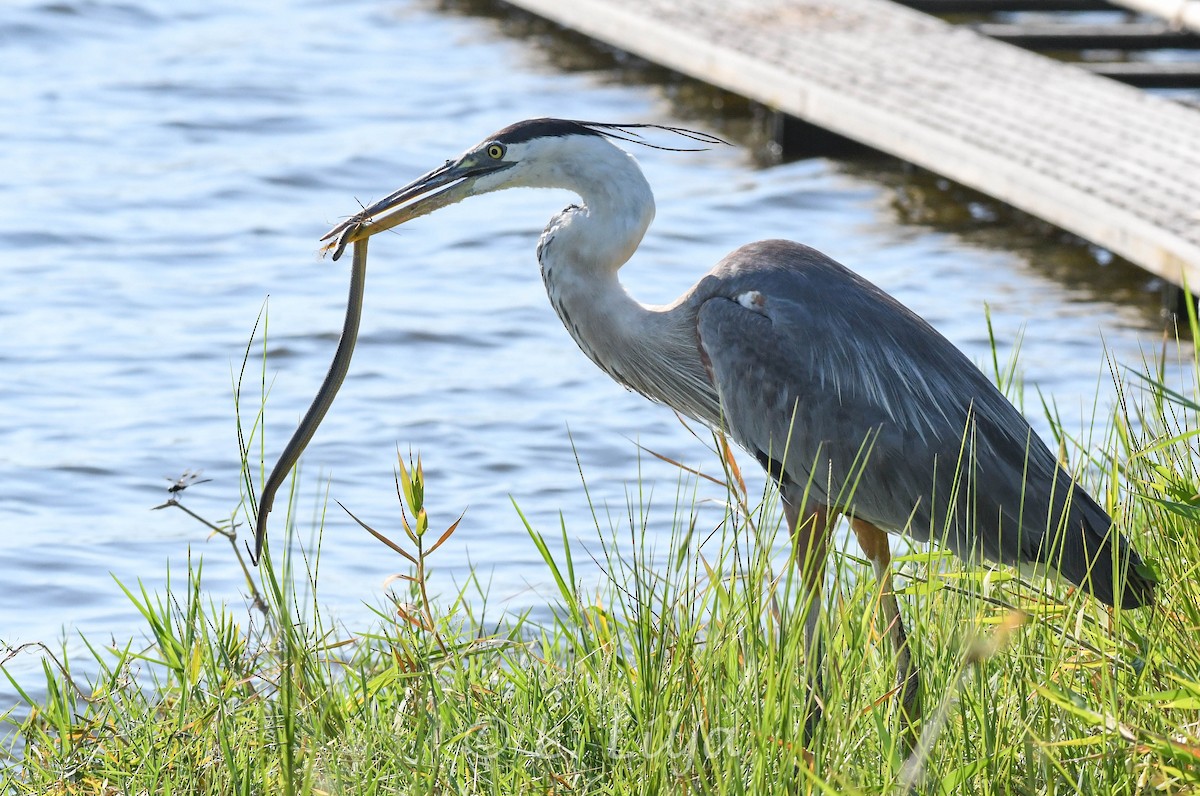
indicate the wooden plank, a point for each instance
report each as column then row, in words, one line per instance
column 1148, row 74
column 1064, row 36
column 1105, row 161
column 1180, row 13
column 993, row 6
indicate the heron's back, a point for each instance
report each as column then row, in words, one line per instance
column 865, row 407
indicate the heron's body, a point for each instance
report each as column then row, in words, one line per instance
column 847, row 397
column 853, row 403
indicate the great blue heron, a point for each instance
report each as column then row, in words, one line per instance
column 853, row 404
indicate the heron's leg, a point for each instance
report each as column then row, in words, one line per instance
column 874, row 543
column 810, row 535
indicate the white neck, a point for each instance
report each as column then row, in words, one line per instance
column 581, row 251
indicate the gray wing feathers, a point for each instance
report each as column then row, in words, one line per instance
column 866, row 407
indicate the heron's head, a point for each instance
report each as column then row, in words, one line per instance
column 538, row 153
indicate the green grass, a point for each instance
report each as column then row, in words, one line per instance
column 683, row 674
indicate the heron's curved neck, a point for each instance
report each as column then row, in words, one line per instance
column 581, row 251
column 594, row 239
column 583, row 248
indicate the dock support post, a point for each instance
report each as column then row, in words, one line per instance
column 797, row 138
column 1175, row 301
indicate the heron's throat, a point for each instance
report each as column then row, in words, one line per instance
column 651, row 350
column 583, row 248
column 648, row 349
column 589, row 299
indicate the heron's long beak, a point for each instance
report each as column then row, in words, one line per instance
column 456, row 179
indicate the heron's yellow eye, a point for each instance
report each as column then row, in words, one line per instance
column 495, row 151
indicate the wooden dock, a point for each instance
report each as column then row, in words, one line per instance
column 1180, row 13
column 1108, row 162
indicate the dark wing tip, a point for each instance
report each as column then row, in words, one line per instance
column 1140, row 583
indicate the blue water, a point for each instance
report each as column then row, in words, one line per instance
column 165, row 167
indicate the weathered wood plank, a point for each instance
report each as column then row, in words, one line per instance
column 1105, row 161
column 1117, row 36
column 1148, row 74
column 1180, row 13
column 992, row 6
